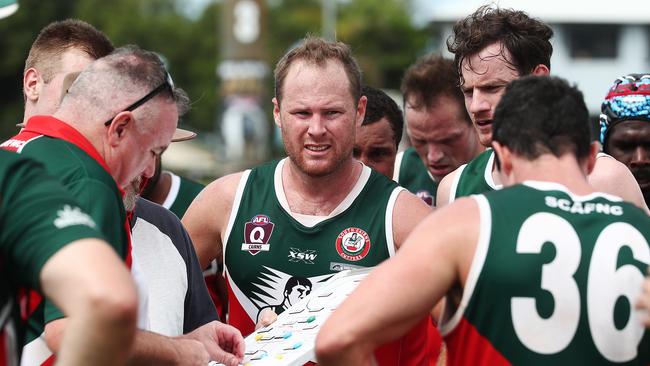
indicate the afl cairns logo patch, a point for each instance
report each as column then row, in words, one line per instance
column 353, row 244
column 257, row 233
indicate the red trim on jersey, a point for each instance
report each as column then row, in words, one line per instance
column 50, row 361
column 211, row 281
column 28, row 300
column 466, row 346
column 237, row 316
column 53, row 127
column 419, row 347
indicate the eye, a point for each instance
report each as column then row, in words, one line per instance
column 333, row 113
column 301, row 113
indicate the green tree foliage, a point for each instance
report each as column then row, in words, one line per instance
column 191, row 47
column 380, row 33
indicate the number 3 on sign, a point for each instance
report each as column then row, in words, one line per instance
column 605, row 285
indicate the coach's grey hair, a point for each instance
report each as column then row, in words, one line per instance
column 114, row 82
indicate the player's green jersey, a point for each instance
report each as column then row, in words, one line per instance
column 37, row 218
column 181, row 194
column 554, row 280
column 267, row 248
column 413, row 175
column 474, row 177
column 274, row 258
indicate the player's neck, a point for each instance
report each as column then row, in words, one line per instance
column 564, row 170
column 318, row 196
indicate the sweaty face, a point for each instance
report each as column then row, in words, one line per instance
column 317, row 116
column 629, row 143
column 443, row 139
column 50, row 93
column 375, row 146
column 486, row 76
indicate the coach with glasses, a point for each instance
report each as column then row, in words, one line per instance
column 119, row 114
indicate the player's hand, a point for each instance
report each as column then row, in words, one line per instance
column 190, row 352
column 266, row 317
column 223, row 342
column 643, row 302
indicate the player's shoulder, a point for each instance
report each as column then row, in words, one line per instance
column 221, row 191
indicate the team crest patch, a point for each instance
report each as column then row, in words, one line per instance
column 353, row 244
column 257, row 233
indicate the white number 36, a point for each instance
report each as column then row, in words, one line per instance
column 605, row 285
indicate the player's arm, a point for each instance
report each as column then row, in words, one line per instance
column 148, row 348
column 102, row 303
column 403, row 289
column 444, row 189
column 643, row 302
column 408, row 212
column 207, row 217
column 613, row 177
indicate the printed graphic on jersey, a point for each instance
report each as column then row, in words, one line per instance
column 257, row 233
column 353, row 244
column 278, row 290
column 298, row 255
column 69, row 216
column 338, row 267
column 425, row 196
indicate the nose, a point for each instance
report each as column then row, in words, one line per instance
column 434, row 153
column 640, row 155
column 316, row 125
column 150, row 169
column 479, row 102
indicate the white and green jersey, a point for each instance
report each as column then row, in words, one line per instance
column 413, row 175
column 266, row 245
column 273, row 257
column 554, row 280
column 474, row 177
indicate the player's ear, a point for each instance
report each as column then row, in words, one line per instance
column 276, row 112
column 594, row 148
column 540, row 70
column 361, row 110
column 31, row 82
column 504, row 157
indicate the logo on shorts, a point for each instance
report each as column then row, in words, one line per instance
column 426, row 197
column 353, row 244
column 257, row 233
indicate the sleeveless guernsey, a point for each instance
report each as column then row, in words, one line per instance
column 553, row 281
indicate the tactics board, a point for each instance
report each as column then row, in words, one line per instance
column 290, row 339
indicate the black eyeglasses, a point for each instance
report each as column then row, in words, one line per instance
column 167, row 84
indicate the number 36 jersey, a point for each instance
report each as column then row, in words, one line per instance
column 554, row 280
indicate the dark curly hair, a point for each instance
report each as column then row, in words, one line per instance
column 526, row 38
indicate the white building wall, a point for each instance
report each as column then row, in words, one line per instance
column 593, row 76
